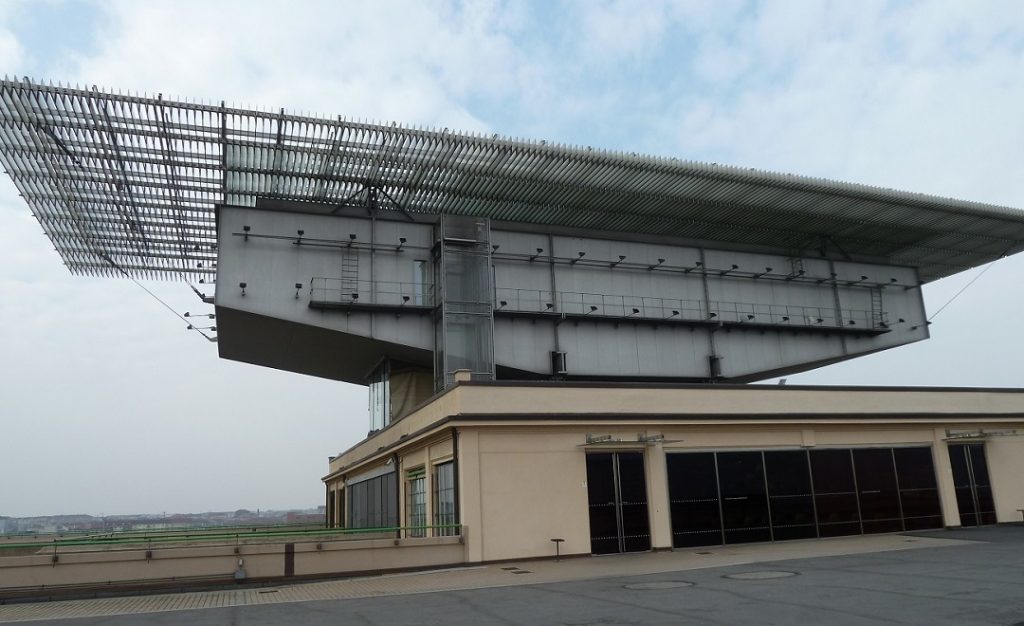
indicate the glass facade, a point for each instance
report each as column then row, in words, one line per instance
column 737, row 497
column 464, row 326
column 373, row 503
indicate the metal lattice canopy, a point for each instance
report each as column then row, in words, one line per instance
column 133, row 181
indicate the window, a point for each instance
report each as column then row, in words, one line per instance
column 380, row 398
column 444, row 499
column 421, row 283
column 416, row 503
column 371, row 503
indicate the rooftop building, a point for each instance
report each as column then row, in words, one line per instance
column 553, row 337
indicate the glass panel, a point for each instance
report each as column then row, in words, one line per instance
column 919, row 493
column 604, row 527
column 877, row 490
column 636, row 529
column 963, row 486
column 380, row 403
column 835, row 497
column 744, row 500
column 789, row 494
column 468, row 342
column 467, row 277
column 693, row 499
column 982, row 484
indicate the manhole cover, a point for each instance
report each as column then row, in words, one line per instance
column 663, row 584
column 765, row 575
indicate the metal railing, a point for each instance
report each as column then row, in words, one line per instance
column 377, row 292
column 655, row 308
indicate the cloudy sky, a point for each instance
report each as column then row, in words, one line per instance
column 108, row 405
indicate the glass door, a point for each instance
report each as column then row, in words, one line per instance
column 973, row 489
column 617, row 496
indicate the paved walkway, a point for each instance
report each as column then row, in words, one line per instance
column 479, row 577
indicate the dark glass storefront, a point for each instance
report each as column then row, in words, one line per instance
column 739, row 497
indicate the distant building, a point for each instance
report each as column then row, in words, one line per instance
column 556, row 340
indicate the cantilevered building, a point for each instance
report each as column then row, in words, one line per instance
column 555, row 338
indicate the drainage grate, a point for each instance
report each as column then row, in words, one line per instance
column 763, row 575
column 661, row 584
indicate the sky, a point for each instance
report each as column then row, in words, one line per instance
column 109, row 406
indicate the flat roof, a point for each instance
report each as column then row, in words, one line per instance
column 122, row 182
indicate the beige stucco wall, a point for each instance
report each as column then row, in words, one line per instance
column 1006, row 467
column 532, row 488
column 521, row 449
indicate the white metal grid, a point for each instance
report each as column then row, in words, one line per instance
column 133, row 181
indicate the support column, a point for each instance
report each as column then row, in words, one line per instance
column 470, row 494
column 658, row 508
column 944, row 475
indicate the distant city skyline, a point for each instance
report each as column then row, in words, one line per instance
column 109, row 404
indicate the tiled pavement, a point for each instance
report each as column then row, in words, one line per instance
column 478, row 577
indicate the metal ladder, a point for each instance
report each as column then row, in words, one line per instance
column 349, row 274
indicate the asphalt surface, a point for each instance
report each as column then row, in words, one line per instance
column 981, row 582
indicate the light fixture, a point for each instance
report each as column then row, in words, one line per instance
column 901, row 320
column 674, row 313
column 301, row 233
column 750, row 317
column 712, row 315
column 548, row 306
column 660, row 261
column 243, row 286
column 401, row 242
column 635, row 311
column 502, row 304
column 892, row 280
column 622, row 257
column 246, row 230
column 579, row 256
column 785, row 318
column 534, row 257
column 592, row 309
column 405, row 299
column 298, row 286
column 355, row 296
column 819, row 320
column 852, row 322
column 495, row 247
column 351, row 239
